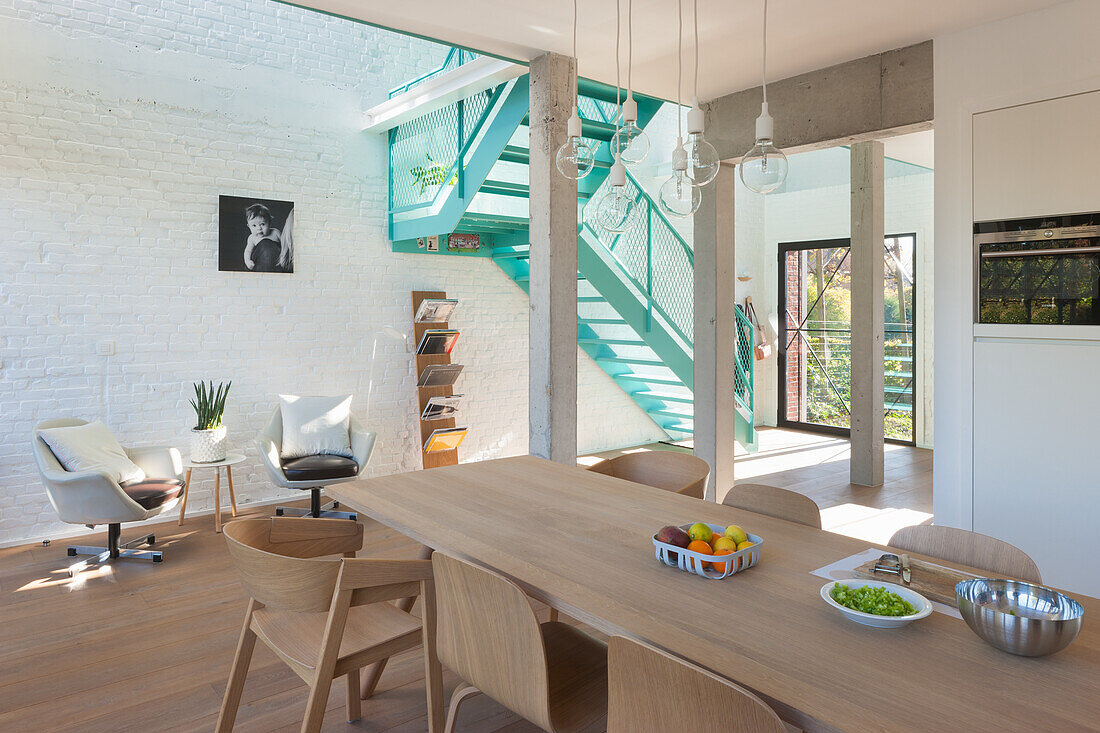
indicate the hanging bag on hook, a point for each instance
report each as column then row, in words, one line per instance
column 763, row 348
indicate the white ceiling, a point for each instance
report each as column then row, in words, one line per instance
column 803, row 35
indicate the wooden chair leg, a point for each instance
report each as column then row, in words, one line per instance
column 237, row 673
column 186, row 491
column 315, row 707
column 374, row 671
column 217, row 500
column 354, row 704
column 457, row 699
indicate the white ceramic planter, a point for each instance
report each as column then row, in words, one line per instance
column 209, row 446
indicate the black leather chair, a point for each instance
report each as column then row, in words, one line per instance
column 313, row 473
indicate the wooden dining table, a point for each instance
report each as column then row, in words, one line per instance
column 581, row 542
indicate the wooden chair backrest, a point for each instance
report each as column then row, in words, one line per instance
column 674, row 471
column 968, row 548
column 282, row 560
column 649, row 689
column 775, row 502
column 489, row 635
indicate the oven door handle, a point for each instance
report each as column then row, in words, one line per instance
column 1047, row 252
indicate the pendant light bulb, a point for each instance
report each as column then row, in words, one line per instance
column 678, row 197
column 616, row 210
column 764, row 167
column 702, row 158
column 630, row 141
column 576, row 157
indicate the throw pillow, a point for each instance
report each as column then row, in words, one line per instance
column 315, row 426
column 91, row 447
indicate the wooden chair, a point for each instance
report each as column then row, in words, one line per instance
column 324, row 616
column 552, row 674
column 674, row 471
column 649, row 689
column 969, row 548
column 775, row 502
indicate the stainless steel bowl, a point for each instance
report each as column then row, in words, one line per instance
column 1020, row 618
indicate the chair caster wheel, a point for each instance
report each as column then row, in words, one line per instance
column 151, row 539
column 45, row 543
column 354, row 518
column 71, row 553
column 158, row 559
column 335, row 505
column 278, row 512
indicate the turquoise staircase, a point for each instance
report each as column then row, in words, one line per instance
column 464, row 168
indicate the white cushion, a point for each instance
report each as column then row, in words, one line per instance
column 314, row 426
column 91, row 447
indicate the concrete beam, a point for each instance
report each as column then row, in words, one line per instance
column 873, row 97
column 715, row 338
column 868, row 231
column 553, row 286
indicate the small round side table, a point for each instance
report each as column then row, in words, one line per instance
column 231, row 459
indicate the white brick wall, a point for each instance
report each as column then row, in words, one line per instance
column 120, row 124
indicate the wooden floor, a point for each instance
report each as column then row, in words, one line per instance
column 143, row 647
column 147, row 647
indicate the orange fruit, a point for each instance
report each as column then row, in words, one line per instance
column 721, row 566
column 703, row 548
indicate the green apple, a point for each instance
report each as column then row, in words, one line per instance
column 700, row 531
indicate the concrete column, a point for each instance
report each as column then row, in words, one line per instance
column 867, row 313
column 715, row 332
column 553, row 286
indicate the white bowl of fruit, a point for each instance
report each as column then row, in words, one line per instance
column 710, row 550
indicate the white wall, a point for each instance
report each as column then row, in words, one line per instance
column 819, row 208
column 1026, row 59
column 120, row 124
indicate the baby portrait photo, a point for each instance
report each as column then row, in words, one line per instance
column 254, row 235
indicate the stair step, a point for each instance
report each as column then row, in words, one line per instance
column 499, row 221
column 602, row 321
column 516, row 253
column 591, row 299
column 515, row 154
column 611, row 342
column 649, row 379
column 898, row 390
column 903, row 375
column 505, row 188
column 672, row 413
column 630, row 360
column 527, row 278
column 663, row 396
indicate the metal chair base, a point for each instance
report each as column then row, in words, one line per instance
column 316, row 510
column 114, row 550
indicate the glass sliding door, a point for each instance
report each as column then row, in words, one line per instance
column 815, row 335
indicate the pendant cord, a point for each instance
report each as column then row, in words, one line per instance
column 618, row 89
column 679, row 64
column 764, row 62
column 695, row 18
column 576, row 71
column 629, row 47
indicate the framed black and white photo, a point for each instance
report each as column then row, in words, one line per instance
column 255, row 235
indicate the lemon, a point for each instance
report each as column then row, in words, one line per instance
column 736, row 534
column 743, row 545
column 724, row 543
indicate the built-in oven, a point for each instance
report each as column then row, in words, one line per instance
column 1038, row 271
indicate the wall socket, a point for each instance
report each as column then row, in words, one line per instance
column 105, row 348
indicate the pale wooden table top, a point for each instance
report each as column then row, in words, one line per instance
column 581, row 542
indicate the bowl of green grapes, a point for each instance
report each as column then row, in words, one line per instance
column 876, row 603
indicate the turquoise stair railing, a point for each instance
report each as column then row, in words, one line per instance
column 635, row 289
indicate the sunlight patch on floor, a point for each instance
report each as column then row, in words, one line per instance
column 868, row 523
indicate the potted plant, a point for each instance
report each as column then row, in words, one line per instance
column 208, row 443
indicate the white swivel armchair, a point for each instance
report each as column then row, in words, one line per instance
column 93, row 497
column 313, row 473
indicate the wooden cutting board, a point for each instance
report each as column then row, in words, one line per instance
column 934, row 582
